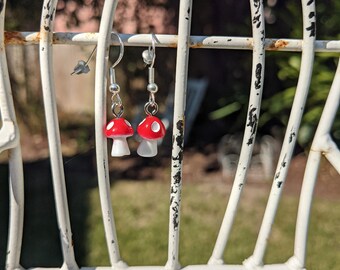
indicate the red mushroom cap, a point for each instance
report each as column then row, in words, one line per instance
column 151, row 128
column 118, row 127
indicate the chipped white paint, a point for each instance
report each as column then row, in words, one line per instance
column 53, row 134
column 184, row 25
column 167, row 40
column 309, row 28
column 250, row 130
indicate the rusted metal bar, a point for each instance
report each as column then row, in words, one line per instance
column 164, row 40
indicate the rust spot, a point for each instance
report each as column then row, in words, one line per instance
column 278, row 44
column 14, row 38
column 173, row 45
column 197, row 45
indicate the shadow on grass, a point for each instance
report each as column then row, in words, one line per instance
column 41, row 244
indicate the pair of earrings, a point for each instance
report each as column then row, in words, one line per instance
column 151, row 129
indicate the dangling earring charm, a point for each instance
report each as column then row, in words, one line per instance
column 118, row 128
column 151, row 129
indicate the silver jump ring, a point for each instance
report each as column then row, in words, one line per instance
column 115, row 98
column 117, row 109
column 151, row 105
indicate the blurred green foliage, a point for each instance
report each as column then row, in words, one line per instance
column 284, row 20
column 278, row 105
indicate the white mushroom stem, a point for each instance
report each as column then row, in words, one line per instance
column 147, row 148
column 120, row 147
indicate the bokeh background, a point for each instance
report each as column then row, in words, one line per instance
column 221, row 81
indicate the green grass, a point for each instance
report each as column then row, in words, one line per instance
column 141, row 215
column 141, row 212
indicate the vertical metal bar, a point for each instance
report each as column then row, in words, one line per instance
column 309, row 28
column 103, row 46
column 9, row 140
column 9, row 135
column 323, row 141
column 320, row 145
column 48, row 87
column 184, row 25
column 254, row 106
column 16, row 202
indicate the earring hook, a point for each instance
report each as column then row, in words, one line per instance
column 149, row 55
column 121, row 51
column 117, row 107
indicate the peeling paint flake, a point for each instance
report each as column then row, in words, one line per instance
column 177, row 177
column 277, row 175
column 311, row 28
column 257, row 21
column 252, row 118
column 180, row 137
column 291, row 136
column 310, row 2
column 311, row 15
column 258, row 75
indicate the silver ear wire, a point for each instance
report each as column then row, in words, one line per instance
column 120, row 56
column 117, row 107
column 121, row 50
column 149, row 55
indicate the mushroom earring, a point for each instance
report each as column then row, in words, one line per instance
column 151, row 129
column 118, row 129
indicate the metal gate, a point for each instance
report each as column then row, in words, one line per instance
column 258, row 43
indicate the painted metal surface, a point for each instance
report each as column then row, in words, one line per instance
column 100, row 123
column 184, row 26
column 166, row 40
column 253, row 115
column 306, row 68
column 53, row 134
column 322, row 143
column 9, row 140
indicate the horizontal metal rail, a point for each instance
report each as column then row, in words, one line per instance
column 162, row 40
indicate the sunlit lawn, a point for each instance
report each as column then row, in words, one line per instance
column 141, row 215
column 141, row 211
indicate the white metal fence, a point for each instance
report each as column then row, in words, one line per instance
column 322, row 143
